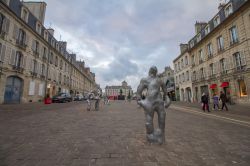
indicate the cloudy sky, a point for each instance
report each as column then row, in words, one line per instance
column 120, row 39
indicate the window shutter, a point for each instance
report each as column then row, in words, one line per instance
column 23, row 62
column 243, row 59
column 7, row 54
column 26, row 39
column 15, row 32
column 2, row 53
column 12, row 57
column 6, row 25
column 33, row 45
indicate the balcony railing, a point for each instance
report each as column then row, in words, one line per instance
column 33, row 73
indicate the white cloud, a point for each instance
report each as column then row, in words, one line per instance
column 120, row 40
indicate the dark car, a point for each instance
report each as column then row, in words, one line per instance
column 62, row 98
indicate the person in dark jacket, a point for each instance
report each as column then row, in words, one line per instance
column 204, row 100
column 223, row 99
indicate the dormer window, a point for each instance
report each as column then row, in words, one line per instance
column 228, row 10
column 207, row 29
column 25, row 14
column 46, row 35
column 216, row 21
column 191, row 43
column 38, row 28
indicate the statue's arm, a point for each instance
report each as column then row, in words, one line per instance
column 140, row 89
column 165, row 93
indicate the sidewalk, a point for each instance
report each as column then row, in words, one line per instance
column 235, row 111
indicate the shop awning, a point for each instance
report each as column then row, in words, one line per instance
column 213, row 86
column 224, row 84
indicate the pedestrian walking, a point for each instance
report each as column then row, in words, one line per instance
column 223, row 99
column 216, row 102
column 204, row 100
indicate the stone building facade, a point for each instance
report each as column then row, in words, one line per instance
column 114, row 91
column 220, row 53
column 33, row 64
column 182, row 75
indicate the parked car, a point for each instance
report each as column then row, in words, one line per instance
column 62, row 98
column 78, row 97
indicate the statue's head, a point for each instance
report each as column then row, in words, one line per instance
column 153, row 71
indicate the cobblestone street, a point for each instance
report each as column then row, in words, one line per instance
column 66, row 134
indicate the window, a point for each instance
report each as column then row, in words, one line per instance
column 242, row 88
column 220, row 43
column 240, row 60
column 202, row 74
column 223, row 66
column 4, row 24
column 216, row 21
column 44, row 52
column 18, row 59
column 183, row 77
column 194, row 76
column 228, row 10
column 210, row 50
column 233, row 35
column 182, row 64
column 51, row 58
column 46, row 35
column 25, row 14
column 186, row 60
column 201, row 57
column 207, row 29
column 21, row 40
column 2, row 52
column 56, row 61
column 179, row 68
column 175, row 67
column 187, row 75
column 35, row 46
column 61, row 64
column 193, row 60
column 176, row 78
column 211, row 69
column 38, row 28
column 43, row 70
column 34, row 66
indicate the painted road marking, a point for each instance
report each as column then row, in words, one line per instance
column 235, row 121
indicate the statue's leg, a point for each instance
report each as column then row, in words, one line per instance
column 149, row 121
column 161, row 122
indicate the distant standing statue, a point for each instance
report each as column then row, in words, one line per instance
column 152, row 103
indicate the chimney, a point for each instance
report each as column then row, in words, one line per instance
column 38, row 9
column 183, row 47
column 199, row 26
column 51, row 31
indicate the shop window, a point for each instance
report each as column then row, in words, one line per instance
column 242, row 88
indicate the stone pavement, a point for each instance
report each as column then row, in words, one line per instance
column 66, row 134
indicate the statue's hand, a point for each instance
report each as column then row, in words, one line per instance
column 167, row 102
